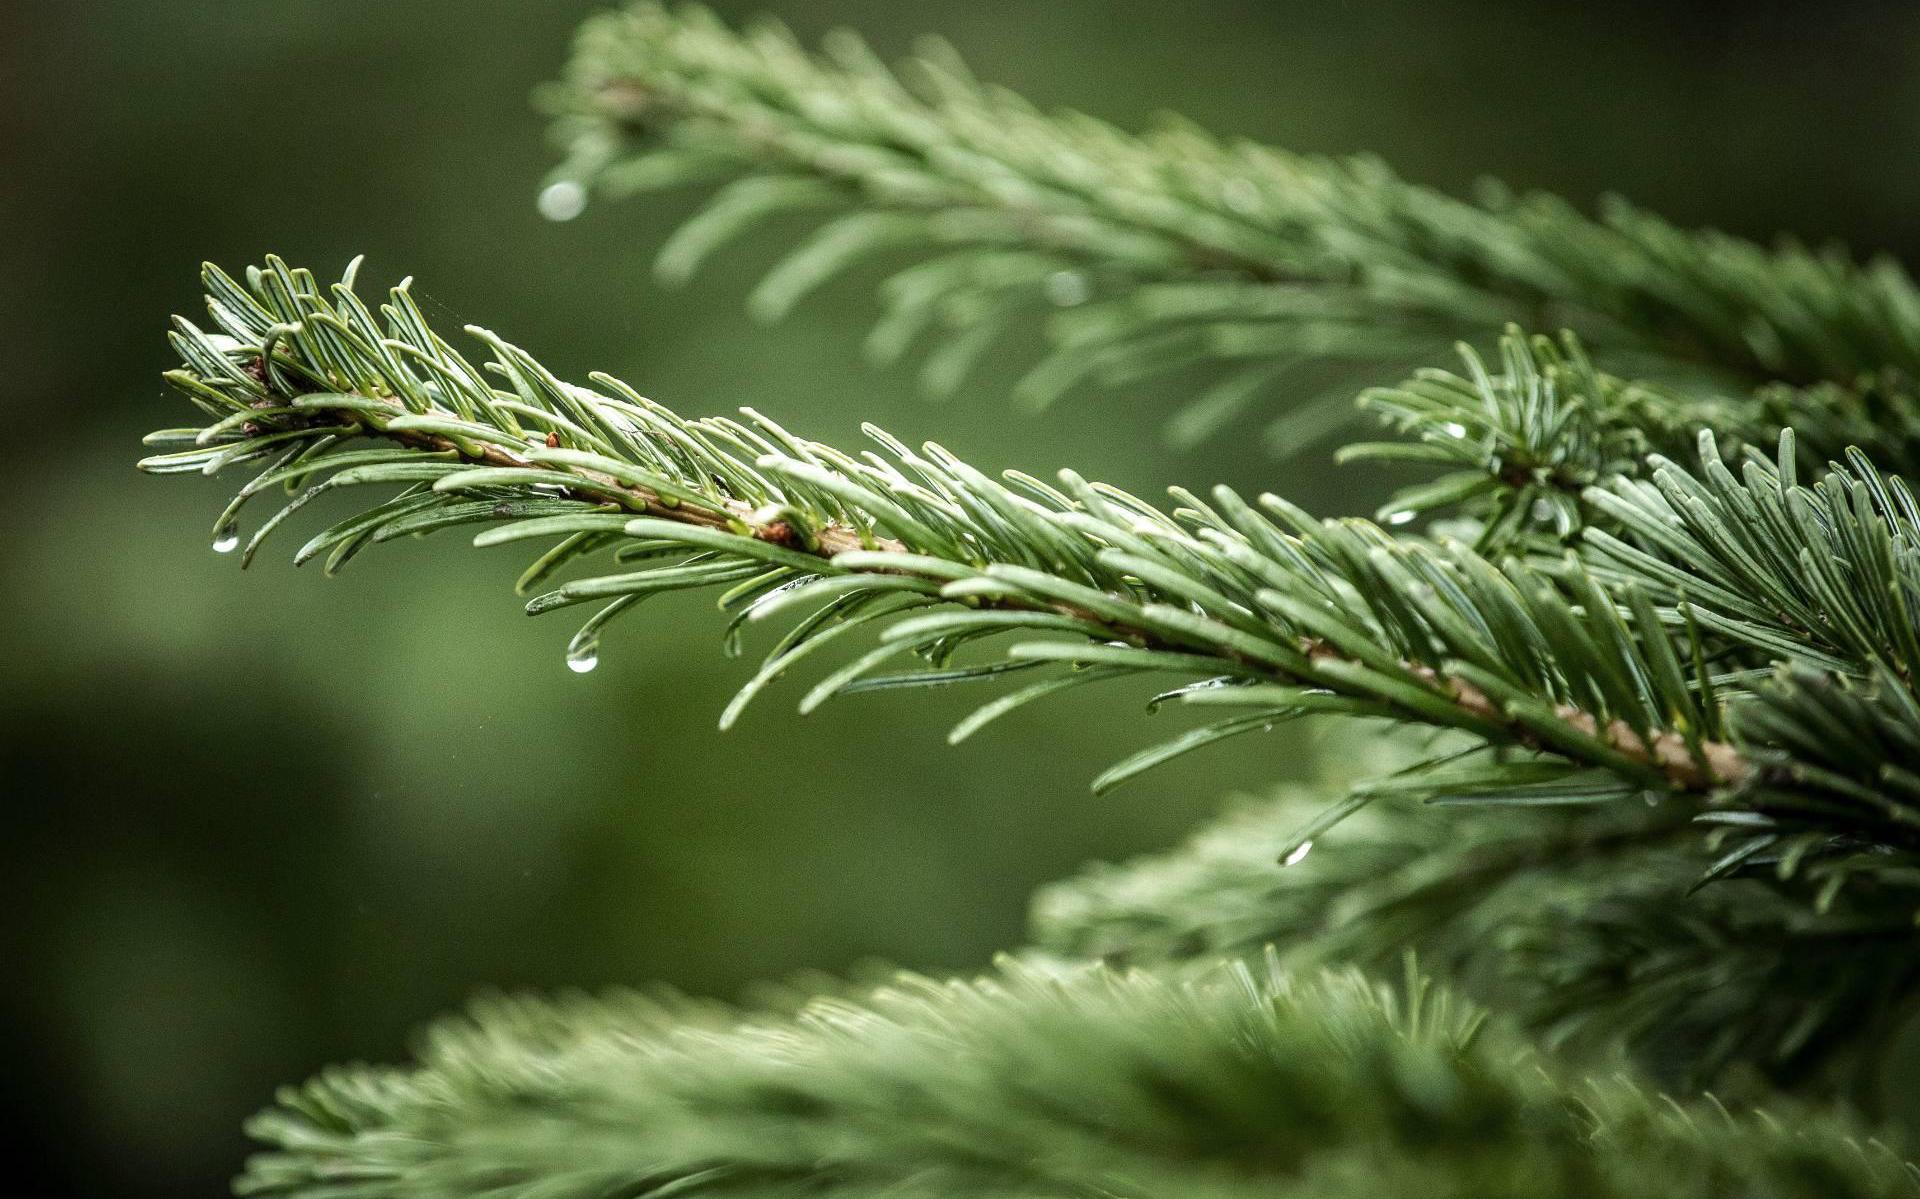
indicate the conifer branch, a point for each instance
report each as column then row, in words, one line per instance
column 1575, row 921
column 1219, row 590
column 1174, row 247
column 1280, row 615
column 1237, row 1083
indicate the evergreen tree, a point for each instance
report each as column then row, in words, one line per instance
column 1646, row 635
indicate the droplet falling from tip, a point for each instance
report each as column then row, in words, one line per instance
column 581, row 659
column 563, row 200
column 1298, row 855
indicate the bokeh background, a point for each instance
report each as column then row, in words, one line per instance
column 255, row 823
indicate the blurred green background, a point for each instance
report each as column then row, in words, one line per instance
column 257, row 823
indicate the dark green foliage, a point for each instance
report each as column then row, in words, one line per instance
column 1238, row 1083
column 1572, row 919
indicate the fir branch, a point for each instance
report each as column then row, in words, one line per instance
column 1172, row 247
column 1576, row 921
column 1023, row 1085
column 1288, row 615
column 1651, row 670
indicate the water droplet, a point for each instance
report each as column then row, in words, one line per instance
column 225, row 541
column 583, row 657
column 1298, row 855
column 1067, row 288
column 1455, row 429
column 562, row 201
column 1404, row 516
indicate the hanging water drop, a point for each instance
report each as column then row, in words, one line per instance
column 563, row 200
column 226, row 540
column 1404, row 516
column 583, row 656
column 1455, row 429
column 1298, row 855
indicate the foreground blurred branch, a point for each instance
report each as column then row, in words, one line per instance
column 1235, row 1084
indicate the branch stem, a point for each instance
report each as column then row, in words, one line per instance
column 1693, row 767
